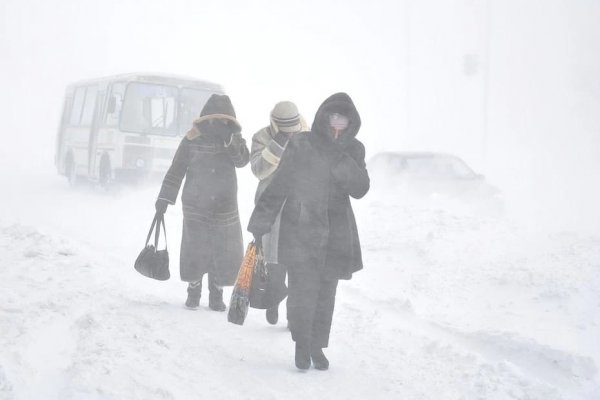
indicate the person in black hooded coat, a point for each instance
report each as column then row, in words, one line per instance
column 212, row 234
column 319, row 243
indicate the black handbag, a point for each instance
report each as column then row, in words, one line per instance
column 152, row 262
column 268, row 285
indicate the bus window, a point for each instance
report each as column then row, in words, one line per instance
column 77, row 106
column 192, row 102
column 115, row 104
column 89, row 105
column 149, row 108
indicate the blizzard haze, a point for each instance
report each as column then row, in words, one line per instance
column 525, row 115
column 449, row 306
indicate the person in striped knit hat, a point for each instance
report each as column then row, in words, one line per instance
column 268, row 145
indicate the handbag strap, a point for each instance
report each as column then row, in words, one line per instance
column 162, row 222
column 156, row 217
column 159, row 219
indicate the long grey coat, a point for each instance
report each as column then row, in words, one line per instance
column 212, row 235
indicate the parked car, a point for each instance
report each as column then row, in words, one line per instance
column 433, row 179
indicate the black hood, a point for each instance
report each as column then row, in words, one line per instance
column 337, row 103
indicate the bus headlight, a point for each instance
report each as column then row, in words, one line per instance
column 140, row 163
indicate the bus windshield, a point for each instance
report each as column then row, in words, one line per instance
column 160, row 109
column 149, row 108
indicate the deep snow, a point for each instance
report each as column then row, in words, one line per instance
column 448, row 306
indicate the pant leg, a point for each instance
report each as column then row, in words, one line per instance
column 212, row 286
column 303, row 293
column 323, row 313
column 215, row 293
column 195, row 288
column 212, row 273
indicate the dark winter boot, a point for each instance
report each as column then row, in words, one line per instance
column 319, row 360
column 273, row 315
column 194, row 291
column 215, row 300
column 302, row 357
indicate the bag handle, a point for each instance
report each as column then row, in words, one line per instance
column 156, row 216
column 159, row 219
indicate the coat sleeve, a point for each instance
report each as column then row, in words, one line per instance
column 350, row 171
column 270, row 202
column 172, row 181
column 237, row 150
column 266, row 153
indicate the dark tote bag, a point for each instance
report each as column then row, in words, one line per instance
column 152, row 262
column 268, row 286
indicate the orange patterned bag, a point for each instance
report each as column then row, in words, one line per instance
column 240, row 297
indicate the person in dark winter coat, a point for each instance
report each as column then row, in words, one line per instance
column 319, row 172
column 212, row 237
column 268, row 145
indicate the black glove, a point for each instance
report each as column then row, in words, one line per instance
column 235, row 141
column 334, row 152
column 221, row 129
column 161, row 206
column 282, row 138
column 257, row 240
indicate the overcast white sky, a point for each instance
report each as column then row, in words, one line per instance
column 261, row 51
column 403, row 62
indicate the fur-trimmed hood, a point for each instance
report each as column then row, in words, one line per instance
column 195, row 131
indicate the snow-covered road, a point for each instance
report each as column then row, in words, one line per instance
column 448, row 307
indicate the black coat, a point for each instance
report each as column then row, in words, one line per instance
column 212, row 236
column 314, row 183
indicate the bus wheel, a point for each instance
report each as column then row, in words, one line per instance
column 70, row 171
column 105, row 173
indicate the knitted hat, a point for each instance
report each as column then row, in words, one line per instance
column 218, row 104
column 286, row 117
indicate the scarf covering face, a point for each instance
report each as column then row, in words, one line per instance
column 338, row 122
column 216, row 128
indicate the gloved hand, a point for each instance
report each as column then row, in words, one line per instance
column 282, row 138
column 161, row 206
column 334, row 152
column 230, row 128
column 220, row 128
column 235, row 141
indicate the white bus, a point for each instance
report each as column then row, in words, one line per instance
column 126, row 126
